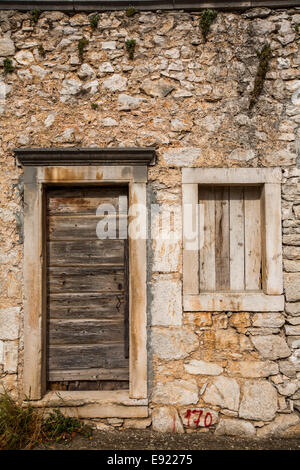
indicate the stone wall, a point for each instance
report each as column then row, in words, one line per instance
column 229, row 373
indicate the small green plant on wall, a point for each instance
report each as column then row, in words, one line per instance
column 207, row 18
column 94, row 106
column 8, row 66
column 130, row 12
column 82, row 43
column 130, row 47
column 35, row 14
column 264, row 58
column 94, row 20
column 41, row 50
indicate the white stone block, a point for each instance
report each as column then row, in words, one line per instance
column 166, row 307
column 9, row 323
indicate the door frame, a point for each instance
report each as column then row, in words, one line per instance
column 43, row 168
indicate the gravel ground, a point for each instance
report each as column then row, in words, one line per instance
column 149, row 440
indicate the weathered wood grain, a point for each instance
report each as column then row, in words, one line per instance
column 89, row 252
column 272, row 239
column 85, row 305
column 85, row 279
column 105, row 355
column 207, row 234
column 87, row 291
column 82, row 201
column 89, row 374
column 222, row 238
column 85, row 227
column 237, row 239
column 252, row 239
column 190, row 239
column 85, row 331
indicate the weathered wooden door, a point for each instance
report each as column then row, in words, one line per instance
column 87, row 291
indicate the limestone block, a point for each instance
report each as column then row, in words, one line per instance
column 259, row 401
column 70, row 87
column 166, row 306
column 279, row 157
column 166, row 419
column 294, row 342
column 7, row 47
column 292, row 330
column 224, row 392
column 271, row 346
column 180, row 392
column 268, row 319
column 103, row 427
column 91, row 87
column 10, row 356
column 293, row 308
column 287, row 389
column 180, row 125
column 242, row 155
column 127, row 103
column 279, row 426
column 261, row 27
column 115, row 83
column 157, row 89
column 173, row 343
column 181, row 156
column 109, row 122
column 240, row 320
column 227, row 340
column 24, row 57
column 235, row 427
column 1, row 352
column 166, row 234
column 287, row 368
column 9, row 383
column 106, row 67
column 252, row 369
column 199, row 319
column 137, row 423
column 9, row 323
column 202, row 368
column 295, row 359
column 86, row 71
column 109, row 45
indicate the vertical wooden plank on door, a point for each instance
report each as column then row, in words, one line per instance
column 222, row 238
column 237, row 236
column 190, row 239
column 252, row 238
column 207, row 239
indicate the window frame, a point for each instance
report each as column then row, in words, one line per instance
column 67, row 167
column 271, row 298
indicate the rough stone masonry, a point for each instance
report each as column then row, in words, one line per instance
column 225, row 373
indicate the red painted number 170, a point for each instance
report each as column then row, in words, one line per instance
column 199, row 413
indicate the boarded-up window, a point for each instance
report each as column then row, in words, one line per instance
column 87, row 290
column 230, row 238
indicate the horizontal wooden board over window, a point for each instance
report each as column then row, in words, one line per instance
column 232, row 239
column 87, row 291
